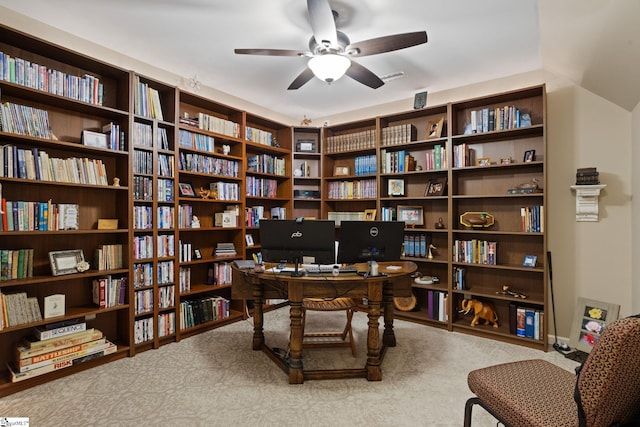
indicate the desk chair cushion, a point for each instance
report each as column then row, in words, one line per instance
column 527, row 393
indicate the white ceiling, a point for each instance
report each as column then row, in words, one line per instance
column 470, row 41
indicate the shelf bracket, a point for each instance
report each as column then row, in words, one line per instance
column 587, row 201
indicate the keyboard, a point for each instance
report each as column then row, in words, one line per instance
column 327, row 269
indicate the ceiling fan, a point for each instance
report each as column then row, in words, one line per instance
column 330, row 50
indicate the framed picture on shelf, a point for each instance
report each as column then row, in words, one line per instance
column 306, row 146
column 197, row 254
column 186, row 190
column 369, row 214
column 505, row 161
column 483, row 161
column 436, row 187
column 248, row 238
column 434, row 127
column 66, row 262
column 411, row 215
column 396, row 187
column 529, row 156
column 94, row 139
column 589, row 322
column 530, row 261
column 341, row 171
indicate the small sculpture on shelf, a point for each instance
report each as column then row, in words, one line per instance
column 116, row 182
column 506, row 291
column 477, row 219
column 204, row 193
column 226, row 149
column 525, row 188
column 82, row 266
column 431, row 249
column 481, row 310
column 195, row 222
column 305, row 121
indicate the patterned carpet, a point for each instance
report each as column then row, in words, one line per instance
column 215, row 379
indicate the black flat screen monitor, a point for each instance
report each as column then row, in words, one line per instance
column 297, row 241
column 362, row 241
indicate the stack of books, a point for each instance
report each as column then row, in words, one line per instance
column 224, row 249
column 57, row 346
column 587, row 176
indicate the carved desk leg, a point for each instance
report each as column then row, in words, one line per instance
column 374, row 370
column 389, row 337
column 296, row 374
column 258, row 332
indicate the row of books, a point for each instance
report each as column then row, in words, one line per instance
column 142, row 247
column 165, row 217
column 498, row 118
column 115, row 137
column 396, row 161
column 398, row 134
column 200, row 163
column 197, row 141
column 196, row 312
column 258, row 135
column 184, row 279
column 166, row 324
column 165, row 165
column 37, row 165
column 475, row 251
column 253, row 215
column 218, row 125
column 365, row 165
column 436, row 158
column 142, row 217
column 142, row 188
column 532, row 219
column 265, row 163
column 185, row 216
column 463, row 156
column 143, row 330
column 143, row 162
column 165, row 190
column 166, row 296
column 351, row 141
column 23, row 72
column 225, row 190
column 338, row 217
column 437, row 305
column 388, row 213
column 147, row 101
column 261, row 187
column 16, row 264
column 24, row 120
column 526, row 321
column 219, row 273
column 416, row 245
column 357, row 189
column 142, row 275
column 17, row 309
column 109, row 257
column 109, row 291
column 459, row 282
column 142, row 135
column 38, row 357
column 165, row 272
column 143, row 301
column 43, row 216
column 166, row 245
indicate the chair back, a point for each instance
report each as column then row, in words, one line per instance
column 609, row 382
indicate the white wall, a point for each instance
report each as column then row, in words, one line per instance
column 593, row 260
column 635, row 225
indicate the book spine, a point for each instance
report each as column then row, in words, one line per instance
column 69, row 356
column 65, row 330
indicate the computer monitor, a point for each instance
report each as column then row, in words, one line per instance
column 297, row 241
column 362, row 241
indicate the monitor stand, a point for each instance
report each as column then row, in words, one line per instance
column 296, row 269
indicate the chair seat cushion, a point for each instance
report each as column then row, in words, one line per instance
column 547, row 401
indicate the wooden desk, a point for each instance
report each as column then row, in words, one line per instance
column 379, row 291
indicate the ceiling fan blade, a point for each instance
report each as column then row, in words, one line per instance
column 302, row 78
column 386, row 44
column 363, row 75
column 322, row 22
column 270, row 52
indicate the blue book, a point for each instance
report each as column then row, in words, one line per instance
column 529, row 325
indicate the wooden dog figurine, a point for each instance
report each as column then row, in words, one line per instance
column 481, row 310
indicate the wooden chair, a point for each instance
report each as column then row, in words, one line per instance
column 328, row 339
column 605, row 392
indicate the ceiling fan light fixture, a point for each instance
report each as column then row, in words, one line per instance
column 329, row 67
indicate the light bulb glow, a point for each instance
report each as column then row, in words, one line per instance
column 329, row 67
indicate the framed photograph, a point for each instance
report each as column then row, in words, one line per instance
column 306, row 145
column 483, row 161
column 197, row 254
column 436, row 187
column 94, row 139
column 506, row 161
column 589, row 322
column 65, row 262
column 411, row 215
column 369, row 215
column 186, row 190
column 529, row 261
column 396, row 187
column 341, row 171
column 434, row 127
column 248, row 238
column 529, row 156
column 419, row 100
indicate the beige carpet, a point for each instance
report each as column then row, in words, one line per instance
column 215, row 379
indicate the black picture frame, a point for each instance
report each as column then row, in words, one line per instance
column 436, row 187
column 529, row 156
column 306, row 146
column 186, row 190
